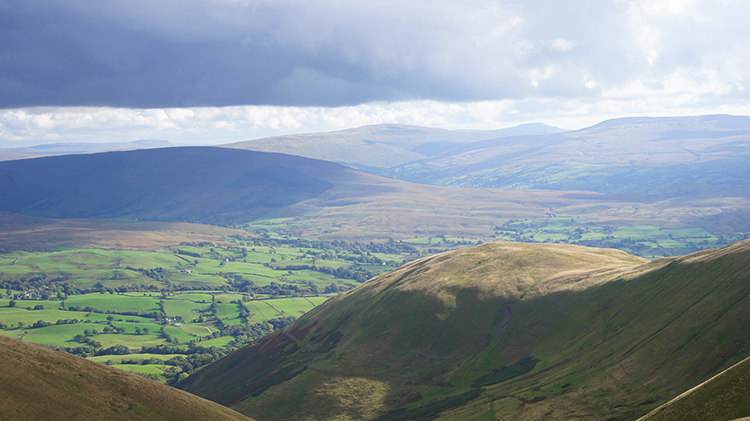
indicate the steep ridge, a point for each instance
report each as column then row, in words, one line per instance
column 40, row 384
column 724, row 397
column 514, row 331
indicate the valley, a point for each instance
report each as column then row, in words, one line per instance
column 502, row 330
column 526, row 273
column 189, row 304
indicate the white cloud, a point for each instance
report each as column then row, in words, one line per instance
column 185, row 70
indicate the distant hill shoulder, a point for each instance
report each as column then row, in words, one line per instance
column 40, row 384
column 667, row 156
column 662, row 156
column 76, row 148
column 381, row 146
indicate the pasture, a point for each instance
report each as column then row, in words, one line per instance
column 102, row 317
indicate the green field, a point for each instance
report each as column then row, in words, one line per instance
column 218, row 342
column 262, row 311
column 199, row 293
column 153, row 369
column 650, row 241
column 184, row 318
column 114, row 302
column 308, row 268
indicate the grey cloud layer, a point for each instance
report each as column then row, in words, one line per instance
column 176, row 53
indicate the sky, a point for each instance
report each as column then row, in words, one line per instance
column 221, row 71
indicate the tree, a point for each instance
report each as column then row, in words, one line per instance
column 12, row 303
column 116, row 350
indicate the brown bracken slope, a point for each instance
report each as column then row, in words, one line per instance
column 40, row 384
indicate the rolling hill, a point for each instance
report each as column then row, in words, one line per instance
column 40, row 384
column 501, row 331
column 319, row 199
column 382, row 145
column 664, row 157
column 185, row 184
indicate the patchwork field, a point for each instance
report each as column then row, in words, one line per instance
column 193, row 302
column 99, row 325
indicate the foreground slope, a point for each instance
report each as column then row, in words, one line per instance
column 514, row 331
column 723, row 397
column 40, row 384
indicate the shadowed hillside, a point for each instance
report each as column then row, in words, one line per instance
column 40, row 384
column 185, row 184
column 505, row 330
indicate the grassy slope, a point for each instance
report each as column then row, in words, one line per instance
column 514, row 331
column 40, row 384
column 724, row 397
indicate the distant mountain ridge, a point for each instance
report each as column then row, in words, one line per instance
column 382, row 145
column 664, row 156
column 501, row 331
column 320, row 199
column 52, row 149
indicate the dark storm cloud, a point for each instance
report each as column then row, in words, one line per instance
column 172, row 53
